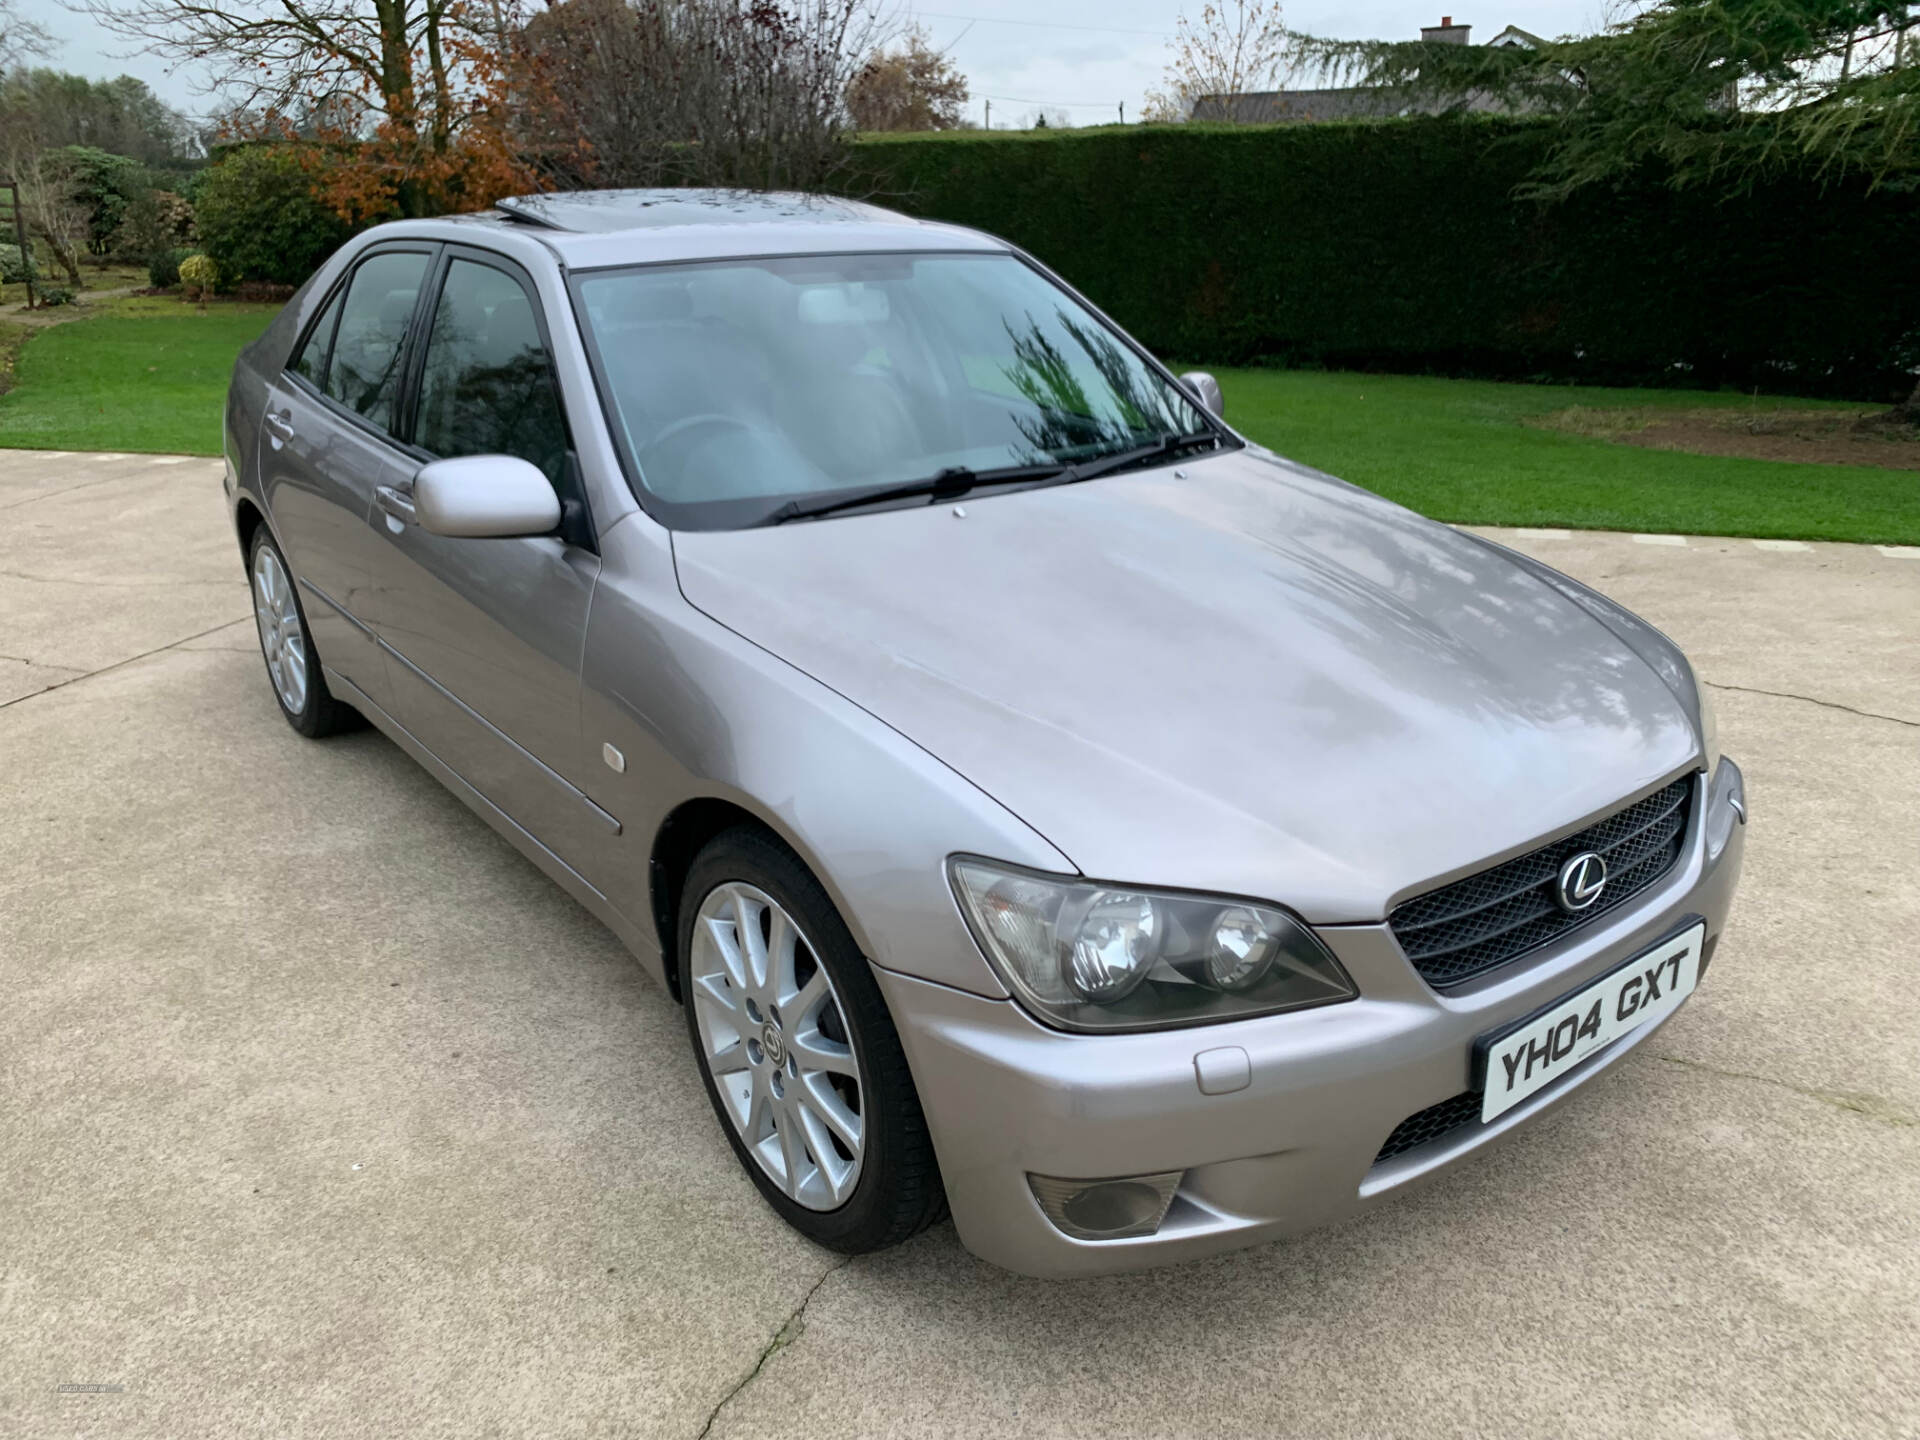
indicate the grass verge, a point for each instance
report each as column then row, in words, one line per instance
column 1464, row 451
column 129, row 381
column 150, row 374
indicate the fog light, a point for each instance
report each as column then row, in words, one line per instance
column 1106, row 1209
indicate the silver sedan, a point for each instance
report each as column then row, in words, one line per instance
column 1042, row 801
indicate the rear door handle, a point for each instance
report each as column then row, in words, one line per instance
column 397, row 503
column 281, row 424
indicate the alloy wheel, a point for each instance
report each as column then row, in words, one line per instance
column 775, row 1040
column 281, row 637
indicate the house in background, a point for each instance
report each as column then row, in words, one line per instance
column 1358, row 102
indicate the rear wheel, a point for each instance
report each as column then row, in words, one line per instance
column 799, row 1055
column 291, row 664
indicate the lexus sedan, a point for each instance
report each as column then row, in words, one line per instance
column 1043, row 802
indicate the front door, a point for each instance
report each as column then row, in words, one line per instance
column 484, row 636
column 327, row 445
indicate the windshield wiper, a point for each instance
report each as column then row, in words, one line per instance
column 949, row 484
column 1164, row 447
column 958, row 480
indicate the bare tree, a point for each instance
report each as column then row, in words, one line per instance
column 49, row 200
column 713, row 92
column 21, row 39
column 274, row 57
column 1236, row 46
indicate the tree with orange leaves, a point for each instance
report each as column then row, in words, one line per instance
column 408, row 92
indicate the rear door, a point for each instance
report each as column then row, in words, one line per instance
column 484, row 636
column 328, row 442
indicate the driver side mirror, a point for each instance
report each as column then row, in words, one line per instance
column 1206, row 390
column 485, row 495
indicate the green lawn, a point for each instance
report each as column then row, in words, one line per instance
column 129, row 380
column 1458, row 450
column 151, row 375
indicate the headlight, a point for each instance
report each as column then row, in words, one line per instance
column 1085, row 956
column 1709, row 726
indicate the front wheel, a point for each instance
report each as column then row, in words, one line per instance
column 799, row 1055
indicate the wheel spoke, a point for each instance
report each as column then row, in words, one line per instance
column 815, row 1051
column 713, row 990
column 823, row 1101
column 720, row 1022
column 782, row 942
column 759, row 1109
column 834, row 1172
column 753, row 948
column 793, row 1148
column 799, row 1012
column 723, row 934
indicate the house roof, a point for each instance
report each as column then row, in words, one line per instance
column 1266, row 106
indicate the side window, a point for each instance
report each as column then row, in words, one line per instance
column 311, row 365
column 365, row 373
column 486, row 387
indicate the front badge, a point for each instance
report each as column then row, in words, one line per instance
column 1581, row 880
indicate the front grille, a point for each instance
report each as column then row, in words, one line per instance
column 1431, row 1123
column 1463, row 929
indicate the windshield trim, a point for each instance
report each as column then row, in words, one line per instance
column 679, row 515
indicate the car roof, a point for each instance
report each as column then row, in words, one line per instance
column 592, row 229
column 611, row 211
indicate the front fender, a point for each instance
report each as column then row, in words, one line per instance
column 696, row 711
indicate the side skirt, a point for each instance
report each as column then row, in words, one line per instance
column 636, row 938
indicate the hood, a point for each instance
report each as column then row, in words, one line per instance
column 1238, row 676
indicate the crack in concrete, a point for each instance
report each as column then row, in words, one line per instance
column 78, row 676
column 51, row 494
column 1813, row 700
column 39, row 664
column 790, row 1330
column 1872, row 1107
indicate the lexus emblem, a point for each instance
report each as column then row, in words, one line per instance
column 1581, row 880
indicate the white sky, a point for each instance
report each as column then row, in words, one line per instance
column 1081, row 57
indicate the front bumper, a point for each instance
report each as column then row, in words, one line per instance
column 1294, row 1148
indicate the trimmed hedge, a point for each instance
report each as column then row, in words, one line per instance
column 1398, row 245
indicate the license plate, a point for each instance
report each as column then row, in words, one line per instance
column 1536, row 1052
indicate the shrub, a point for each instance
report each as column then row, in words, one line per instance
column 258, row 218
column 266, row 292
column 54, row 295
column 155, row 221
column 1398, row 245
column 163, row 267
column 13, row 268
column 106, row 184
column 199, row 274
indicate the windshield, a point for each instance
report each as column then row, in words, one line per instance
column 740, row 386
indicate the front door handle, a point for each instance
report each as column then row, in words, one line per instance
column 281, row 424
column 397, row 503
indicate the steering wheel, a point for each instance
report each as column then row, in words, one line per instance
column 682, row 430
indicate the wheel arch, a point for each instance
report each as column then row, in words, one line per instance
column 678, row 841
column 248, row 518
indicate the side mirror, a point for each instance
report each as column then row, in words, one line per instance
column 485, row 495
column 1206, row 390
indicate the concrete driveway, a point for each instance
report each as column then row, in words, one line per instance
column 322, row 1112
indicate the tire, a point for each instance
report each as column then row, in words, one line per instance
column 286, row 645
column 895, row 1190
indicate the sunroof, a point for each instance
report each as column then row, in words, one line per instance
column 607, row 211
